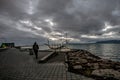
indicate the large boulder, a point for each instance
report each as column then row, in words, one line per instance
column 107, row 73
column 86, row 63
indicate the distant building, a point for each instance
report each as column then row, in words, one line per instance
column 7, row 45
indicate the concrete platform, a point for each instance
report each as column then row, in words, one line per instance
column 16, row 65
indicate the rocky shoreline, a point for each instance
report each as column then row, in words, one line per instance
column 85, row 63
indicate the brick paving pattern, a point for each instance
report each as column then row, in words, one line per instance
column 16, row 65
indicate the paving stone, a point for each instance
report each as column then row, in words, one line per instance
column 16, row 65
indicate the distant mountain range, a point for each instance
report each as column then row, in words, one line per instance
column 106, row 41
column 109, row 41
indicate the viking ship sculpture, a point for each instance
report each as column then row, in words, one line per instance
column 58, row 45
column 55, row 46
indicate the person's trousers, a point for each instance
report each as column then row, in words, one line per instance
column 36, row 53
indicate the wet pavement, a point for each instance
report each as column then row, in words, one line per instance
column 17, row 65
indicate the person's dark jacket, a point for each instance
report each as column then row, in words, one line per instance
column 35, row 47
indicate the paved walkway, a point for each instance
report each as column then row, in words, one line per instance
column 16, row 65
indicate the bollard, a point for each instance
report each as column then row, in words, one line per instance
column 30, row 51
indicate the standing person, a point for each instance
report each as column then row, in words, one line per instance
column 35, row 48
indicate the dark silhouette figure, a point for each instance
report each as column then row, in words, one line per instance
column 35, row 48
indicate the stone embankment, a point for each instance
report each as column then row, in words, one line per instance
column 85, row 63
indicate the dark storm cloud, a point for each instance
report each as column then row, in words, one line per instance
column 81, row 19
column 12, row 7
column 52, row 7
column 86, row 16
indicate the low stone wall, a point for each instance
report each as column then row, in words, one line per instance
column 84, row 62
column 47, row 57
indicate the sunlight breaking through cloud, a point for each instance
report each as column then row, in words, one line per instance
column 107, row 26
column 32, row 6
column 51, row 23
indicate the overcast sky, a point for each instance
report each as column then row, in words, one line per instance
column 26, row 21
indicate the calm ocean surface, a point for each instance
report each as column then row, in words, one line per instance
column 106, row 51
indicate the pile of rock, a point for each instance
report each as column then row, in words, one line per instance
column 82, row 61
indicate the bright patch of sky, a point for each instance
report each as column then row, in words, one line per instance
column 107, row 26
column 51, row 23
column 32, row 6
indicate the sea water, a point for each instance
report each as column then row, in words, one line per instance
column 106, row 51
